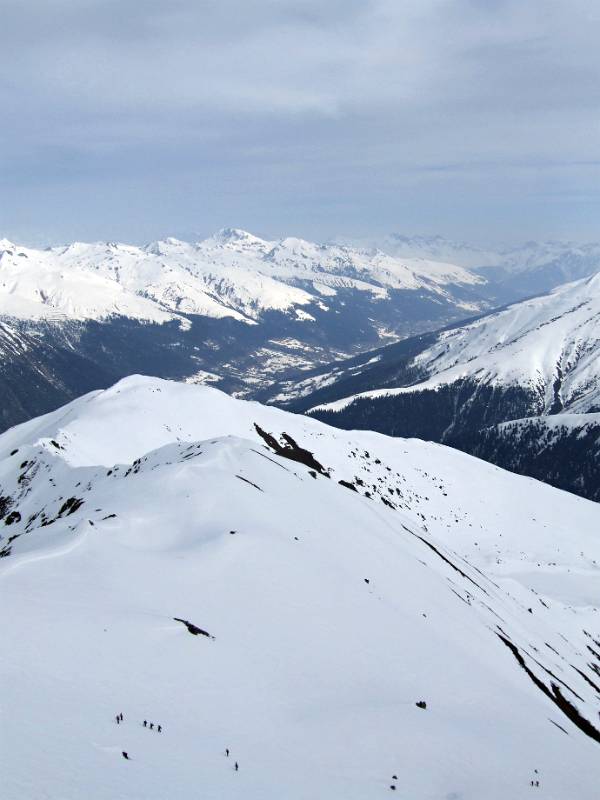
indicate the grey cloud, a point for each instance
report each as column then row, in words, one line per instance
column 306, row 117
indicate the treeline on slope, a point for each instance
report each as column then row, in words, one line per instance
column 565, row 457
column 444, row 414
column 467, row 415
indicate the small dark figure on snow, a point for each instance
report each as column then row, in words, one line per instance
column 236, row 766
column 421, row 704
column 159, row 728
column 393, row 788
column 118, row 719
column 394, row 777
column 227, row 752
column 151, row 725
column 121, row 716
column 124, row 754
column 145, row 723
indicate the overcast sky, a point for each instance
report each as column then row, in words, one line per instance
column 137, row 119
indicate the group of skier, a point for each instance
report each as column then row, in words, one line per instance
column 236, row 766
column 150, row 725
column 146, row 724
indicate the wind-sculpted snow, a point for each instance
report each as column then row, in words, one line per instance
column 342, row 579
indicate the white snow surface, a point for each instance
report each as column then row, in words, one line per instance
column 547, row 344
column 313, row 673
column 232, row 274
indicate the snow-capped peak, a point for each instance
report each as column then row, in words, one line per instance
column 166, row 247
column 237, row 236
column 5, row 244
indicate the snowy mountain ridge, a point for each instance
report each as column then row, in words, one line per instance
column 338, row 610
column 548, row 345
column 232, row 274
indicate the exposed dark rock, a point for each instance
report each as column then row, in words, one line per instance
column 290, row 449
column 249, row 482
column 5, row 505
column 193, row 629
column 555, row 694
column 70, row 506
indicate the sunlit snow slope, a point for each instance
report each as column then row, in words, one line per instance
column 341, row 578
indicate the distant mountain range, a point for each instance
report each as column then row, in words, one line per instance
column 537, row 361
column 233, row 274
column 513, row 272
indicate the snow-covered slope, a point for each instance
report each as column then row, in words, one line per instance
column 51, row 284
column 459, row 385
column 233, row 274
column 339, row 578
column 548, row 346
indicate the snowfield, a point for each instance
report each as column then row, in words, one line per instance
column 259, row 581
